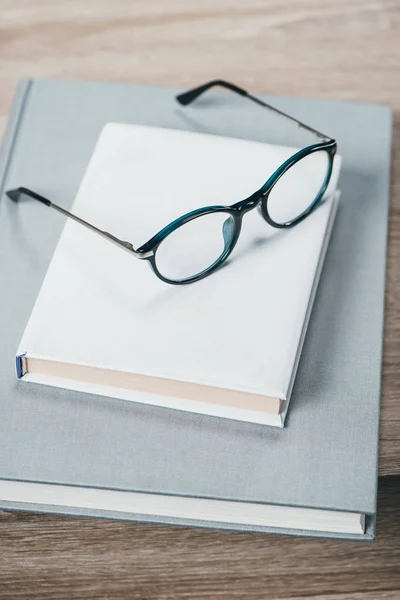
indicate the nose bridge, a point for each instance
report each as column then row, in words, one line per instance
column 250, row 203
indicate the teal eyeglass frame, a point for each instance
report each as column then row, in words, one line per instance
column 234, row 212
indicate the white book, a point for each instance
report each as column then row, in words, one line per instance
column 227, row 345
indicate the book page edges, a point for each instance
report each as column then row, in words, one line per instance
column 150, row 385
column 166, row 506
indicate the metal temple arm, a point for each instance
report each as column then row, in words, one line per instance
column 191, row 95
column 15, row 195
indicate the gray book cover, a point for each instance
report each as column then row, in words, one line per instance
column 327, row 456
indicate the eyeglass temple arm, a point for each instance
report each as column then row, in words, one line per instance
column 15, row 196
column 191, row 95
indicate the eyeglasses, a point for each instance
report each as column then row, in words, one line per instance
column 199, row 242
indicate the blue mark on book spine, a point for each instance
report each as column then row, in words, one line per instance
column 20, row 364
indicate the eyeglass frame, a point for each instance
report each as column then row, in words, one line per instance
column 148, row 250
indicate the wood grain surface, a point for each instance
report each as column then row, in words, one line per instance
column 337, row 49
column 52, row 557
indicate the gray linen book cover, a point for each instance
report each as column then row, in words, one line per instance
column 327, row 456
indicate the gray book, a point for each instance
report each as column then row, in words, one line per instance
column 68, row 452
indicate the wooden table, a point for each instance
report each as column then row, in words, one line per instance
column 338, row 49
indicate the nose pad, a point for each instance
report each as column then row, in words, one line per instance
column 259, row 208
column 228, row 231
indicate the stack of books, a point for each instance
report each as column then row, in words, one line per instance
column 170, row 403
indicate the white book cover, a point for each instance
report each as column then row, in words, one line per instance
column 227, row 345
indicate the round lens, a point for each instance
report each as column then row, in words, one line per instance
column 195, row 246
column 298, row 188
